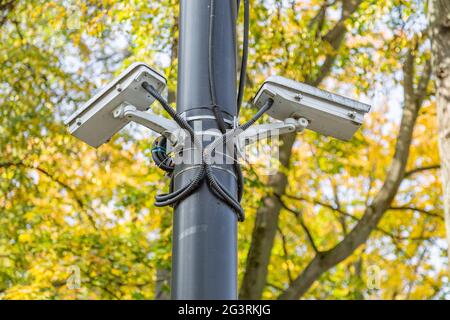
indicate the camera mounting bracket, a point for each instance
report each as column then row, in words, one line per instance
column 165, row 127
column 269, row 130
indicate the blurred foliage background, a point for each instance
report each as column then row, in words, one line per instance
column 79, row 223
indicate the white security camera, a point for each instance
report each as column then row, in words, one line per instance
column 327, row 113
column 95, row 123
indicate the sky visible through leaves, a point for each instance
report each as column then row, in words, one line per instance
column 69, row 210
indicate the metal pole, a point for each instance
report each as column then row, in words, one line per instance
column 205, row 229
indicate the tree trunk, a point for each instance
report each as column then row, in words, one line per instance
column 439, row 16
column 162, row 286
column 265, row 228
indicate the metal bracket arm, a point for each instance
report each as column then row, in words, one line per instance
column 148, row 119
column 268, row 130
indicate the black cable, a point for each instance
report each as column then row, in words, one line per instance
column 159, row 155
column 212, row 89
column 242, row 79
column 212, row 86
column 239, row 176
column 175, row 116
column 220, row 191
column 244, row 60
column 185, row 191
column 230, row 134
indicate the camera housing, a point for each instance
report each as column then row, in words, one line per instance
column 327, row 113
column 95, row 123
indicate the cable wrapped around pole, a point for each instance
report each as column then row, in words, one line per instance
column 174, row 197
column 205, row 155
column 219, row 190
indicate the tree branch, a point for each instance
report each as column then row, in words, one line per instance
column 5, row 9
column 74, row 194
column 421, row 169
column 286, row 254
column 335, row 38
column 421, row 91
column 423, row 211
column 380, row 204
column 355, row 218
column 303, row 225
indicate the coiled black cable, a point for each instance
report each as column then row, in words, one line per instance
column 205, row 169
column 159, row 155
column 174, row 197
